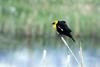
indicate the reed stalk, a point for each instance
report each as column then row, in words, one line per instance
column 70, row 50
column 81, row 56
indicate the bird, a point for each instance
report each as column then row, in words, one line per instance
column 62, row 28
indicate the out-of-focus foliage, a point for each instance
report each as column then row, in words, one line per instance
column 35, row 16
column 27, row 24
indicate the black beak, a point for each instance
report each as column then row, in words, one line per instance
column 53, row 23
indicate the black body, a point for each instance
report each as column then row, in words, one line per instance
column 63, row 29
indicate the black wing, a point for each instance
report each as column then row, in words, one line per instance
column 63, row 26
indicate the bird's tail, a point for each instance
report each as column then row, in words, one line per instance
column 71, row 37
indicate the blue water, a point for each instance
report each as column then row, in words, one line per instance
column 44, row 55
column 22, row 58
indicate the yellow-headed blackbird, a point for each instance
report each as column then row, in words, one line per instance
column 62, row 28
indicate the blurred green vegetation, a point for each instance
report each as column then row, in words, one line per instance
column 34, row 17
column 27, row 23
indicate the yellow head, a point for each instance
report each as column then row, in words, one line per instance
column 54, row 24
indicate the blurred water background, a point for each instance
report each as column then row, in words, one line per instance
column 26, row 30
